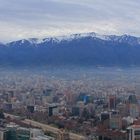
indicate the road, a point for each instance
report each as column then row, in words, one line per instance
column 46, row 127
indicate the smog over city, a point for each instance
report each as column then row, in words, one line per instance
column 69, row 70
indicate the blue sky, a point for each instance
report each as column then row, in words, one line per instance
column 42, row 18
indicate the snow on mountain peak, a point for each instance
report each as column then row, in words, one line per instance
column 120, row 39
column 71, row 37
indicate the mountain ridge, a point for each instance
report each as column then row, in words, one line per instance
column 79, row 49
column 57, row 39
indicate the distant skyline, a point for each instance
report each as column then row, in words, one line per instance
column 42, row 18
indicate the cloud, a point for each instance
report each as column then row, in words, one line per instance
column 41, row 18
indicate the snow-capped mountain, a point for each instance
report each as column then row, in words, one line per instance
column 77, row 49
column 58, row 39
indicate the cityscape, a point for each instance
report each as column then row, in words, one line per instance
column 69, row 70
column 88, row 106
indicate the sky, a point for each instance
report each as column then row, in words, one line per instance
column 43, row 18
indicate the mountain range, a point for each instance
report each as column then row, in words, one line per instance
column 87, row 49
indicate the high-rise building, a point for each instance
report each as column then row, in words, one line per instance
column 112, row 102
column 134, row 110
column 132, row 99
column 133, row 107
column 23, row 133
column 115, row 122
column 134, row 132
column 53, row 110
column 3, row 134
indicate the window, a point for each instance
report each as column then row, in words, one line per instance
column 137, row 132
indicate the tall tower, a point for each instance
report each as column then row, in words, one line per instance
column 112, row 102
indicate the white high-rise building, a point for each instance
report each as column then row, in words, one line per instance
column 134, row 132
